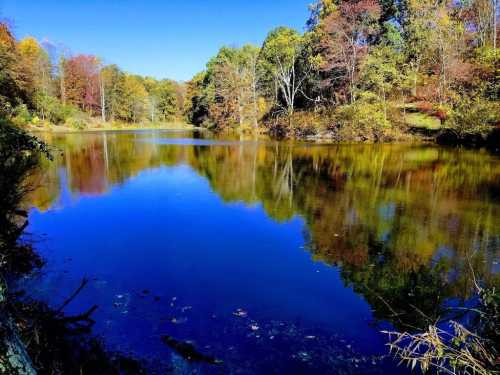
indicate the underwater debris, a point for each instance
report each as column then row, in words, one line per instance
column 178, row 320
column 240, row 313
column 188, row 351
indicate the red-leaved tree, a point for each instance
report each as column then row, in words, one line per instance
column 344, row 36
column 81, row 80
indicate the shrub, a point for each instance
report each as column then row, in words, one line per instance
column 365, row 120
column 51, row 108
column 5, row 107
column 474, row 116
column 76, row 122
column 300, row 124
column 21, row 115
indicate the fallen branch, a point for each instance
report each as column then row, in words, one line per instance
column 83, row 284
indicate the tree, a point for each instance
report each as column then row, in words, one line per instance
column 15, row 80
column 165, row 95
column 279, row 59
column 132, row 102
column 233, row 73
column 112, row 80
column 483, row 14
column 38, row 62
column 381, row 73
column 345, row 32
column 38, row 66
column 198, row 99
column 81, row 82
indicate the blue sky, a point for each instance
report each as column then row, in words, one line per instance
column 165, row 39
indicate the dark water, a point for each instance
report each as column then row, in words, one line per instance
column 272, row 257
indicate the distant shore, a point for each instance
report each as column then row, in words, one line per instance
column 67, row 129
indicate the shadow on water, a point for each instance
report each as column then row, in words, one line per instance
column 394, row 227
column 35, row 338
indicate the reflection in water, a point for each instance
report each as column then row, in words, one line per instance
column 402, row 223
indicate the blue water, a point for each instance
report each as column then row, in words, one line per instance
column 167, row 255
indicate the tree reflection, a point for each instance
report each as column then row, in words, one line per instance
column 402, row 222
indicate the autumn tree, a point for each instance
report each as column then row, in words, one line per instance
column 15, row 82
column 81, row 82
column 483, row 15
column 344, row 35
column 37, row 62
column 235, row 80
column 133, row 100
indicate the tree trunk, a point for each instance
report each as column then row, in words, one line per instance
column 61, row 81
column 103, row 98
column 495, row 25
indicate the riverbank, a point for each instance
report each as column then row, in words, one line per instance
column 110, row 127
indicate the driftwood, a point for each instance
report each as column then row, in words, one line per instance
column 83, row 284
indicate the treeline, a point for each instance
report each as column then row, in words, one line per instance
column 364, row 69
column 39, row 84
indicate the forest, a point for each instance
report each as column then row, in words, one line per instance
column 366, row 70
column 42, row 85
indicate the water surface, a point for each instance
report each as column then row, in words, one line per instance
column 274, row 257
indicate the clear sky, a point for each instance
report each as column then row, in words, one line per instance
column 161, row 38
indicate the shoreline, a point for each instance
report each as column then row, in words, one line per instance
column 441, row 137
column 65, row 129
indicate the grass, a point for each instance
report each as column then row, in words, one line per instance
column 422, row 120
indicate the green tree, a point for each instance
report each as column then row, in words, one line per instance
column 166, row 98
column 382, row 74
column 133, row 100
column 113, row 83
column 279, row 58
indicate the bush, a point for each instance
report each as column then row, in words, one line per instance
column 5, row 107
column 439, row 111
column 300, row 124
column 53, row 110
column 78, row 120
column 368, row 119
column 76, row 123
column 21, row 115
column 475, row 116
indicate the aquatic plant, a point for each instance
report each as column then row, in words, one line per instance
column 455, row 349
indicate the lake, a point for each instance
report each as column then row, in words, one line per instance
column 273, row 257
